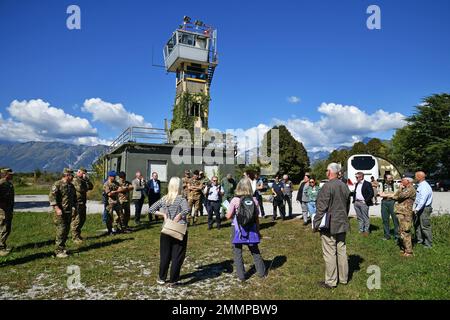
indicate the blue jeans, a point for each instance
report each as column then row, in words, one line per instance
column 312, row 207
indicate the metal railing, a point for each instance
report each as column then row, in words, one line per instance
column 140, row 135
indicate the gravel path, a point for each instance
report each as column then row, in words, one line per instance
column 39, row 203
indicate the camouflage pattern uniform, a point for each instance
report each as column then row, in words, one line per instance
column 113, row 205
column 63, row 195
column 185, row 181
column 82, row 186
column 6, row 209
column 404, row 209
column 124, row 200
column 195, row 198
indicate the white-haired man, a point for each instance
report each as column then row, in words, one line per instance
column 333, row 205
column 423, row 210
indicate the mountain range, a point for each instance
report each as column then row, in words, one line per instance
column 47, row 156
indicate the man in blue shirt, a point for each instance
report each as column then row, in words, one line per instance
column 423, row 210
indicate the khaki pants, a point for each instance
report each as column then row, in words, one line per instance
column 126, row 213
column 405, row 223
column 195, row 204
column 6, row 217
column 62, row 224
column 119, row 219
column 335, row 256
column 78, row 220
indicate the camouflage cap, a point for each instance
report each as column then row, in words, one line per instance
column 187, row 171
column 7, row 170
column 83, row 169
column 68, row 171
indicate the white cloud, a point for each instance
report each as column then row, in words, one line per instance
column 339, row 125
column 293, row 99
column 114, row 115
column 92, row 141
column 248, row 139
column 44, row 121
column 16, row 131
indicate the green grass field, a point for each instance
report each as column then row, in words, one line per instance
column 32, row 190
column 126, row 266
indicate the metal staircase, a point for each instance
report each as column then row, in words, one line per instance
column 211, row 69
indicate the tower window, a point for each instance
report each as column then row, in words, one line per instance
column 187, row 39
column 194, row 109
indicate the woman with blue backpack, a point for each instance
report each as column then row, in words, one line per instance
column 244, row 210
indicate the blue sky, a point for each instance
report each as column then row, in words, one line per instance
column 318, row 51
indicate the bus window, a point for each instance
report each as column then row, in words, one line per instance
column 363, row 163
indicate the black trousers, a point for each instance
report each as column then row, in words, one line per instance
column 261, row 204
column 171, row 250
column 278, row 202
column 138, row 204
column 213, row 208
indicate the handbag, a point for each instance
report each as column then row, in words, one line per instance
column 174, row 229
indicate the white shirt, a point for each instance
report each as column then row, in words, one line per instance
column 254, row 185
column 213, row 192
column 424, row 196
column 359, row 195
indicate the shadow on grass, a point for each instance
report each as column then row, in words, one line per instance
column 266, row 225
column 354, row 264
column 99, row 245
column 34, row 245
column 209, row 271
column 43, row 255
column 373, row 228
column 270, row 265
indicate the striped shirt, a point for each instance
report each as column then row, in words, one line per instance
column 179, row 205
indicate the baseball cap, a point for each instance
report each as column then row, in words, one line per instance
column 112, row 173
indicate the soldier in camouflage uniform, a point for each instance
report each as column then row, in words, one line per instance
column 82, row 186
column 185, row 180
column 63, row 199
column 6, row 208
column 124, row 199
column 404, row 198
column 195, row 193
column 112, row 190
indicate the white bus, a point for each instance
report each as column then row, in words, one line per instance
column 364, row 163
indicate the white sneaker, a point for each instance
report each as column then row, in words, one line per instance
column 159, row 281
column 4, row 252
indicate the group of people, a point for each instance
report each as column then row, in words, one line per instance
column 406, row 206
column 282, row 191
column 177, row 207
column 68, row 198
column 402, row 204
column 327, row 209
